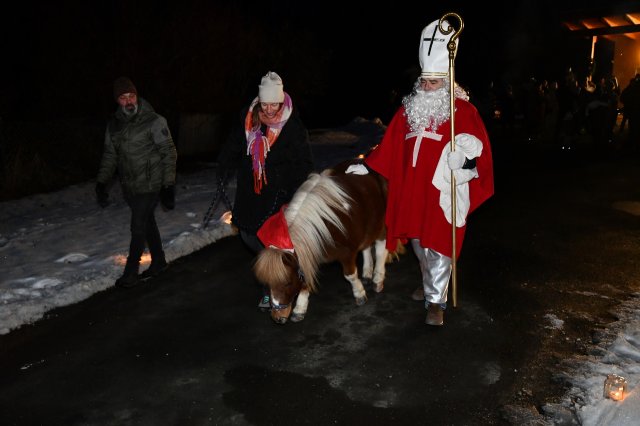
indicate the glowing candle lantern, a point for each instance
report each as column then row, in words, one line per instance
column 226, row 217
column 615, row 387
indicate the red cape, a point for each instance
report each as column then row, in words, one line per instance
column 413, row 209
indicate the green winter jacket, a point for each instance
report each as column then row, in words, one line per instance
column 141, row 149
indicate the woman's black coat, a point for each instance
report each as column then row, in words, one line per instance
column 287, row 166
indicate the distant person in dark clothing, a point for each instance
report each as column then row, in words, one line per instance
column 270, row 151
column 601, row 111
column 569, row 110
column 630, row 98
column 139, row 146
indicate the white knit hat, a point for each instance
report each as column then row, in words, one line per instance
column 271, row 89
column 434, row 55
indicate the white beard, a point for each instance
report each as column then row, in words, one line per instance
column 426, row 109
column 130, row 110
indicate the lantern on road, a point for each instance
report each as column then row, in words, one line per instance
column 615, row 387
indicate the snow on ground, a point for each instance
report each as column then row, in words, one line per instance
column 60, row 248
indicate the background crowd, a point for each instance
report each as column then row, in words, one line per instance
column 565, row 112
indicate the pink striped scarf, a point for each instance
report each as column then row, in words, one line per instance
column 258, row 145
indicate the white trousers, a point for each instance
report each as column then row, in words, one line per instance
column 436, row 272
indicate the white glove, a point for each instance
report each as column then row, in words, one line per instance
column 455, row 160
column 357, row 169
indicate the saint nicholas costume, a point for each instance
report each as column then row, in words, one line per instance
column 415, row 160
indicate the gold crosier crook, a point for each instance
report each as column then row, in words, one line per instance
column 451, row 47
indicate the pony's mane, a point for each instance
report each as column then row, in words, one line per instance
column 315, row 204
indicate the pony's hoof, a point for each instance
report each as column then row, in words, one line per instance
column 361, row 300
column 378, row 287
column 297, row 317
column 366, row 281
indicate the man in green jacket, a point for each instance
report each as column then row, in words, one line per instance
column 139, row 146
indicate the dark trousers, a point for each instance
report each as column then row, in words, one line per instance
column 252, row 241
column 255, row 245
column 144, row 230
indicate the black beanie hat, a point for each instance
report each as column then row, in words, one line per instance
column 123, row 85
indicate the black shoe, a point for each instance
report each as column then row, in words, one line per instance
column 127, row 281
column 154, row 270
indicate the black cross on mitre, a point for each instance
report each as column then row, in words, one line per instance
column 432, row 39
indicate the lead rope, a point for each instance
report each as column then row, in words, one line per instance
column 220, row 193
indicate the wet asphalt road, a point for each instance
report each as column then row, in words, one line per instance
column 560, row 237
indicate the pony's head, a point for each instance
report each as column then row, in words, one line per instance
column 279, row 271
column 313, row 216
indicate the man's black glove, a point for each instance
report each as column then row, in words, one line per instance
column 102, row 195
column 168, row 197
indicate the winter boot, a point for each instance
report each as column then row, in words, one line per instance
column 156, row 268
column 129, row 277
column 264, row 304
column 265, row 301
column 435, row 314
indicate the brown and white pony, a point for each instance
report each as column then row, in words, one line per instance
column 332, row 217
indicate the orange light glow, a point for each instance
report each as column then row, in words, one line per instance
column 634, row 17
column 573, row 26
column 616, row 21
column 616, row 395
column 121, row 259
column 593, row 23
column 226, row 217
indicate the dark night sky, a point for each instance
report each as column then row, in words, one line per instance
column 208, row 56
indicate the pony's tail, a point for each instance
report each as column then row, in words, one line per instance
column 269, row 267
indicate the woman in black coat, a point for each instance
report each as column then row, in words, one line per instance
column 272, row 156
